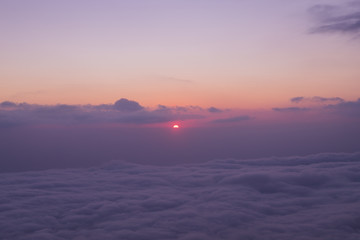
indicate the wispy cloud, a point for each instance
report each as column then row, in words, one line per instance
column 291, row 109
column 316, row 99
column 337, row 18
column 297, row 99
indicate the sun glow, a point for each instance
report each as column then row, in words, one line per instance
column 176, row 126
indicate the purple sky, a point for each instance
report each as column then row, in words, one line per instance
column 265, row 94
column 233, row 54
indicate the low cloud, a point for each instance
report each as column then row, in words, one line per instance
column 7, row 104
column 346, row 109
column 297, row 198
column 337, row 18
column 214, row 110
column 316, row 99
column 334, row 105
column 297, row 99
column 122, row 111
column 291, row 109
column 127, row 105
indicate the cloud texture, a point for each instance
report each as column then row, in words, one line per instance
column 313, row 197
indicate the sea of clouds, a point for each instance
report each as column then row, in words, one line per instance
column 312, row 197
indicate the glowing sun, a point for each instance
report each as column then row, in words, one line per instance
column 176, row 126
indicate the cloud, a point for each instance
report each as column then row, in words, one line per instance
column 346, row 109
column 127, row 105
column 334, row 105
column 297, row 99
column 214, row 110
column 296, row 198
column 341, row 19
column 232, row 119
column 316, row 99
column 122, row 111
column 7, row 104
column 322, row 99
column 291, row 109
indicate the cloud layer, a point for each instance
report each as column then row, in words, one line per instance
column 126, row 111
column 313, row 197
column 122, row 111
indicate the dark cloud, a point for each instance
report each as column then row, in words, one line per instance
column 342, row 19
column 316, row 99
column 7, row 104
column 322, row 99
column 232, row 119
column 148, row 117
column 333, row 106
column 127, row 105
column 313, row 197
column 297, row 99
column 122, row 111
column 346, row 109
column 214, row 110
column 291, row 109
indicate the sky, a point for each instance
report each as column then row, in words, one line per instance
column 232, row 54
column 86, row 82
column 265, row 94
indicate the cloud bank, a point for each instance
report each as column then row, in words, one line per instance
column 334, row 106
column 313, row 197
column 122, row 111
column 126, row 111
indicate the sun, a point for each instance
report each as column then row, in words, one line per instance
column 176, row 126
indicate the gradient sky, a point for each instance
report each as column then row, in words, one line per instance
column 86, row 82
column 265, row 93
column 229, row 54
